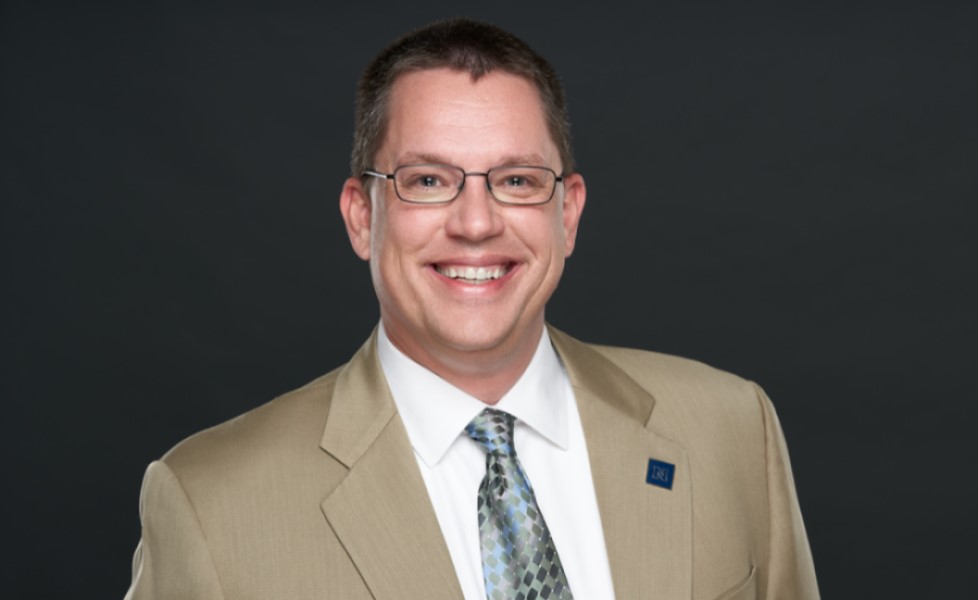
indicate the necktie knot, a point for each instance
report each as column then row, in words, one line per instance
column 493, row 430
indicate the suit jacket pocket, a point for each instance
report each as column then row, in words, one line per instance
column 745, row 590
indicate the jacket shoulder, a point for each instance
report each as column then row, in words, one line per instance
column 666, row 375
column 266, row 437
column 694, row 404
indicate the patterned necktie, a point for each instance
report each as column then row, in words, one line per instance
column 519, row 560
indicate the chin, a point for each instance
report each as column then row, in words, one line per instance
column 473, row 335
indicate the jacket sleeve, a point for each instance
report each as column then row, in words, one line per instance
column 172, row 560
column 790, row 572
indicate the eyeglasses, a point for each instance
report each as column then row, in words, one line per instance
column 438, row 184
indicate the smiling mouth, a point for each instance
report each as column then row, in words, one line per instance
column 473, row 275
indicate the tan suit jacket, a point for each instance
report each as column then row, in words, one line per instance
column 317, row 494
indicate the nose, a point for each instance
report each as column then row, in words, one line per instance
column 475, row 214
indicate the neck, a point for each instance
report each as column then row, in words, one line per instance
column 486, row 374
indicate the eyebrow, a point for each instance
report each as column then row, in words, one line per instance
column 417, row 158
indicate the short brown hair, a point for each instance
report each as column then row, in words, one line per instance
column 463, row 45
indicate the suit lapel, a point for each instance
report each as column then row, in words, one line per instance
column 647, row 529
column 380, row 511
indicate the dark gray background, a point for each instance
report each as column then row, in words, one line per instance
column 784, row 191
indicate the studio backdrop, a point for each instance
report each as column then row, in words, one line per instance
column 783, row 191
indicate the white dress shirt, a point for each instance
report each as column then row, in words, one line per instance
column 550, row 445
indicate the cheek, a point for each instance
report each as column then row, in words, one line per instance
column 400, row 237
column 381, row 251
column 546, row 232
column 558, row 247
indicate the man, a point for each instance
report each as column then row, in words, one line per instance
column 467, row 450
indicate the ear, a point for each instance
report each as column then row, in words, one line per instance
column 356, row 210
column 575, row 193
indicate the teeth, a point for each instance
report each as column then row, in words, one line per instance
column 473, row 274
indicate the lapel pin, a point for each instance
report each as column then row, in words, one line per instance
column 660, row 474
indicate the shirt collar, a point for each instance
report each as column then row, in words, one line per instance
column 435, row 412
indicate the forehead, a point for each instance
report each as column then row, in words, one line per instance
column 445, row 115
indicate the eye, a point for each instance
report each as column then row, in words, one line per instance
column 518, row 180
column 423, row 180
column 428, row 177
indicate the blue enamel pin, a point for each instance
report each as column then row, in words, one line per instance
column 660, row 474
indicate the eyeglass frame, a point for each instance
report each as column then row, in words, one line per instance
column 465, row 175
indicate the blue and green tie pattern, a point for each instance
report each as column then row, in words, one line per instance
column 519, row 560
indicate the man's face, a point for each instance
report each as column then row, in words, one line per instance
column 442, row 116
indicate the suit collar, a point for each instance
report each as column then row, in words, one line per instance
column 590, row 370
column 361, row 406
